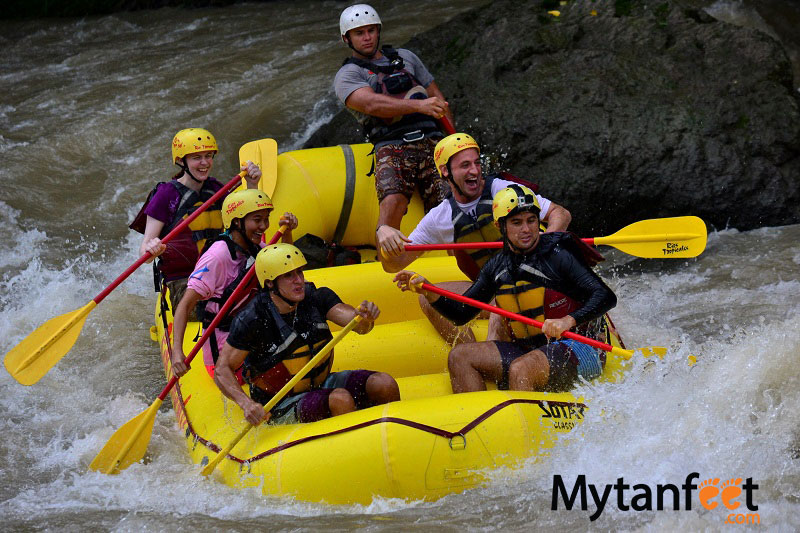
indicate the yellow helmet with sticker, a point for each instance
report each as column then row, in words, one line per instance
column 512, row 200
column 238, row 204
column 277, row 259
column 450, row 146
column 190, row 141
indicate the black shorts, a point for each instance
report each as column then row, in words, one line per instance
column 563, row 362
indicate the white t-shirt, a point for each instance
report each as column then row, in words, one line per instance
column 437, row 226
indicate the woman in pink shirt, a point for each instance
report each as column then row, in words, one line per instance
column 222, row 265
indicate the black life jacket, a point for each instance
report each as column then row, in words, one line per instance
column 206, row 316
column 539, row 303
column 183, row 250
column 479, row 228
column 295, row 345
column 398, row 82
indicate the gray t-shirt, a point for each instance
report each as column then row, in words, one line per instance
column 351, row 77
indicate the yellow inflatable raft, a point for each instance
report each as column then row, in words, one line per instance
column 429, row 444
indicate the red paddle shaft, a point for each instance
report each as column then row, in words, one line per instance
column 237, row 293
column 465, row 245
column 179, row 228
column 514, row 316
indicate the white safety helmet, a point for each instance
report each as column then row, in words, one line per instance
column 357, row 16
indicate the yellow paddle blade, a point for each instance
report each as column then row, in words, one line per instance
column 647, row 351
column 650, row 351
column 128, row 444
column 31, row 359
column 675, row 237
column 263, row 153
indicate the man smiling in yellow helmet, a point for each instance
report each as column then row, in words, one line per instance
column 547, row 277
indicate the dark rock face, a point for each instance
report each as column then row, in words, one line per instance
column 622, row 110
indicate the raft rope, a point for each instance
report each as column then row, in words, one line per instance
column 384, row 420
column 163, row 313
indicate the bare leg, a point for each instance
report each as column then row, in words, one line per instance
column 472, row 363
column 451, row 333
column 382, row 388
column 529, row 372
column 340, row 402
column 392, row 209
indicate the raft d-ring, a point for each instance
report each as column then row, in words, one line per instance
column 458, row 442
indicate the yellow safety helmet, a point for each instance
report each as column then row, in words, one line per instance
column 512, row 200
column 450, row 146
column 277, row 259
column 238, row 204
column 192, row 140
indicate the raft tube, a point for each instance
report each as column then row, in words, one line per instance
column 429, row 444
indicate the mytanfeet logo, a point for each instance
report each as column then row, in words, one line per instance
column 641, row 497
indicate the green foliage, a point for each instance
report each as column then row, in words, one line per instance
column 456, row 51
column 743, row 121
column 661, row 13
column 624, row 8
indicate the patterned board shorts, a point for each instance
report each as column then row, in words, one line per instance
column 404, row 168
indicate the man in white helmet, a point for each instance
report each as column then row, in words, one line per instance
column 398, row 104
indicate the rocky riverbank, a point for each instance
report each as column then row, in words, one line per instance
column 623, row 110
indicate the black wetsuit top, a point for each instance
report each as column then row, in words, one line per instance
column 555, row 263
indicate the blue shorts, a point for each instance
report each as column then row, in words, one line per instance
column 568, row 359
column 312, row 405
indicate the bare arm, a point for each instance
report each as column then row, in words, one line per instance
column 341, row 314
column 375, row 104
column 150, row 242
column 396, row 263
column 290, row 221
column 230, row 359
column 558, row 218
column 252, row 175
column 187, row 303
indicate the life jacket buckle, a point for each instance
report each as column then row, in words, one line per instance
column 413, row 136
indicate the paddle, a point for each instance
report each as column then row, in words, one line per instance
column 447, row 126
column 37, row 353
column 626, row 354
column 264, row 153
column 129, row 443
column 281, row 393
column 672, row 238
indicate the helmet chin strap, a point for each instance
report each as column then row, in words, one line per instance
column 506, row 241
column 452, row 181
column 186, row 170
column 282, row 297
column 252, row 250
